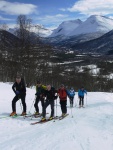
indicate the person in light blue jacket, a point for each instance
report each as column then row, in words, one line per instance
column 71, row 94
column 81, row 93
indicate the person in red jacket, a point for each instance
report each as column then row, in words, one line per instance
column 62, row 93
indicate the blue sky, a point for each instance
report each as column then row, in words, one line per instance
column 51, row 13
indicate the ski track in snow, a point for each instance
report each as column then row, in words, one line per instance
column 91, row 128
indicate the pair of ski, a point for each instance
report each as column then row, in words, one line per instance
column 19, row 115
column 47, row 120
column 15, row 116
column 34, row 115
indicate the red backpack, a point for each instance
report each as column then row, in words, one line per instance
column 62, row 94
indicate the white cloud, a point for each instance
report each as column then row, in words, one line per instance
column 111, row 17
column 53, row 20
column 11, row 25
column 17, row 8
column 89, row 7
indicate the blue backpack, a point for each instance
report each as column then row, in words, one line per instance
column 71, row 93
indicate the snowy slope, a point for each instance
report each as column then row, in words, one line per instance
column 94, row 24
column 91, row 128
column 66, row 27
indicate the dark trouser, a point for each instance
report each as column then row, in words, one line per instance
column 37, row 101
column 71, row 101
column 47, row 103
column 15, row 99
column 81, row 101
column 63, row 104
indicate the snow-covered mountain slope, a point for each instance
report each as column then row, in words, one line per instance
column 93, row 24
column 39, row 30
column 103, row 45
column 91, row 128
column 66, row 27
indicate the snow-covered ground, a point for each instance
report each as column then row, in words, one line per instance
column 93, row 69
column 91, row 128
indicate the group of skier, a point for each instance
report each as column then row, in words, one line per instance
column 46, row 95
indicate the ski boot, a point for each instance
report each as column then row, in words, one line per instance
column 43, row 119
column 64, row 114
column 36, row 113
column 13, row 114
column 50, row 118
column 23, row 114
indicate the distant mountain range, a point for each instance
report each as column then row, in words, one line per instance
column 93, row 35
column 84, row 36
column 103, row 45
column 93, row 24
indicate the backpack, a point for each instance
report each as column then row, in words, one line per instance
column 71, row 93
column 62, row 94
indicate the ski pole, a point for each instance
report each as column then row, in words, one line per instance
column 56, row 108
column 55, row 117
column 54, row 112
column 76, row 102
column 20, row 105
column 71, row 110
column 31, row 106
column 86, row 100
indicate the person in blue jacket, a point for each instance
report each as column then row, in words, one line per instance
column 71, row 94
column 81, row 93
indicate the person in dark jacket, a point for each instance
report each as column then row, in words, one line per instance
column 63, row 93
column 40, row 90
column 81, row 93
column 50, row 97
column 20, row 93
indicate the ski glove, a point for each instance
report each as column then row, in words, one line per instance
column 17, row 92
column 36, row 94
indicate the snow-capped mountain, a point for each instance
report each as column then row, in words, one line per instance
column 39, row 30
column 94, row 24
column 94, row 27
column 66, row 27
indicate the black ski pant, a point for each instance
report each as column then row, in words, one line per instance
column 81, row 100
column 15, row 99
column 36, row 103
column 71, row 101
column 63, row 104
column 47, row 103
